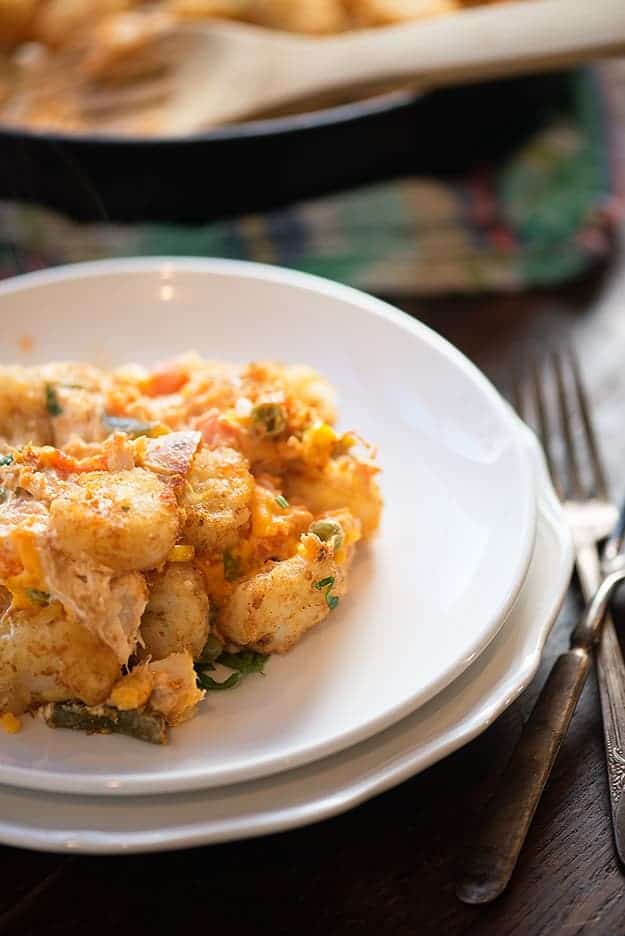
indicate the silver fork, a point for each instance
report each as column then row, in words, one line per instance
column 591, row 516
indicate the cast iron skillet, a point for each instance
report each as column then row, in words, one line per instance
column 266, row 164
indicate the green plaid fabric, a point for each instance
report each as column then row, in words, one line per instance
column 543, row 216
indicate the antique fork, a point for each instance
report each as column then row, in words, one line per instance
column 591, row 516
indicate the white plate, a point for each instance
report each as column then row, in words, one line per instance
column 427, row 597
column 109, row 826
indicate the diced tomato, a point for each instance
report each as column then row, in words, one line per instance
column 66, row 464
column 216, row 430
column 168, row 380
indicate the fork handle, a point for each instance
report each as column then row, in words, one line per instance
column 510, row 813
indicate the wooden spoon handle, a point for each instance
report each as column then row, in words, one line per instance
column 526, row 36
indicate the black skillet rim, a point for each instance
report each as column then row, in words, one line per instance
column 344, row 114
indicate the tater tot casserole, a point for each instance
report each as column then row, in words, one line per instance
column 163, row 531
column 53, row 50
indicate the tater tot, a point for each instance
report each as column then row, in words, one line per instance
column 126, row 520
column 302, row 16
column 344, row 482
column 23, row 413
column 217, row 499
column 60, row 21
column 213, row 9
column 79, row 397
column 50, row 658
column 271, row 611
column 176, row 617
column 387, row 12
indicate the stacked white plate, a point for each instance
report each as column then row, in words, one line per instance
column 449, row 608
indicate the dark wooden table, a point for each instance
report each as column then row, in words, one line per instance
column 390, row 865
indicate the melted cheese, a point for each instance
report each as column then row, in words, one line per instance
column 132, row 691
column 181, row 553
column 10, row 723
column 31, row 576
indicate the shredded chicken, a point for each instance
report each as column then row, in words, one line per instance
column 175, row 693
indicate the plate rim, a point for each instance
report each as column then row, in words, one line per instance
column 344, row 798
column 148, row 782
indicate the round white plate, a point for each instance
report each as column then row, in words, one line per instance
column 102, row 825
column 428, row 595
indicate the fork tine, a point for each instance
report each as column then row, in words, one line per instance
column 543, row 426
column 575, row 482
column 601, row 484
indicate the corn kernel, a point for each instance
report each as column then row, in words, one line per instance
column 160, row 429
column 308, row 548
column 132, row 691
column 10, row 723
column 324, row 434
column 181, row 553
column 318, row 443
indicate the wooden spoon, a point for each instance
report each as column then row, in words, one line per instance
column 224, row 71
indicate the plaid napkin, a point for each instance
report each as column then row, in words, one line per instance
column 542, row 216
